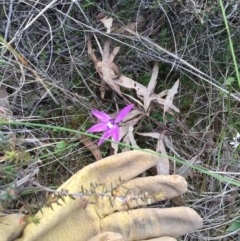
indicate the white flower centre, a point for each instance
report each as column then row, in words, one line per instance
column 110, row 125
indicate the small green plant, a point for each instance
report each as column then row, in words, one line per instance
column 234, row 227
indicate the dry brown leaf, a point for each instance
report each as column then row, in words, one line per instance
column 147, row 101
column 179, row 201
column 146, row 94
column 131, row 137
column 91, row 53
column 100, row 15
column 133, row 114
column 149, row 95
column 150, row 134
column 128, row 83
column 163, row 93
column 169, row 98
column 163, row 164
column 113, row 54
column 132, row 26
column 185, row 170
column 134, row 99
column 153, row 81
column 5, row 111
column 2, row 159
column 106, row 51
column 128, row 138
column 109, row 73
column 107, row 22
column 114, row 74
column 91, row 146
column 106, row 68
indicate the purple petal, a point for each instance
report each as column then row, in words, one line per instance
column 98, row 127
column 122, row 113
column 101, row 115
column 116, row 133
column 106, row 135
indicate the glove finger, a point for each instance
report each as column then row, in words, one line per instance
column 142, row 191
column 161, row 239
column 107, row 171
column 150, row 223
column 11, row 226
column 108, row 236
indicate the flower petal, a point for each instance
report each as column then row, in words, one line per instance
column 122, row 113
column 98, row 127
column 106, row 135
column 116, row 133
column 101, row 115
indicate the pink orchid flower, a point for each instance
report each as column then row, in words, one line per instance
column 108, row 124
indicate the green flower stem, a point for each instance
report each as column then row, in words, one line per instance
column 230, row 42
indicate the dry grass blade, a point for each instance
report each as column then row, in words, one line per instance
column 185, row 170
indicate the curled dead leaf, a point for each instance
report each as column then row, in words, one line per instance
column 107, row 69
column 107, row 22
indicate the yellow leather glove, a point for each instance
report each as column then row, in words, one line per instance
column 11, row 226
column 106, row 214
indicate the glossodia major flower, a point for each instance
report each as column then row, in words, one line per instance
column 236, row 142
column 109, row 125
